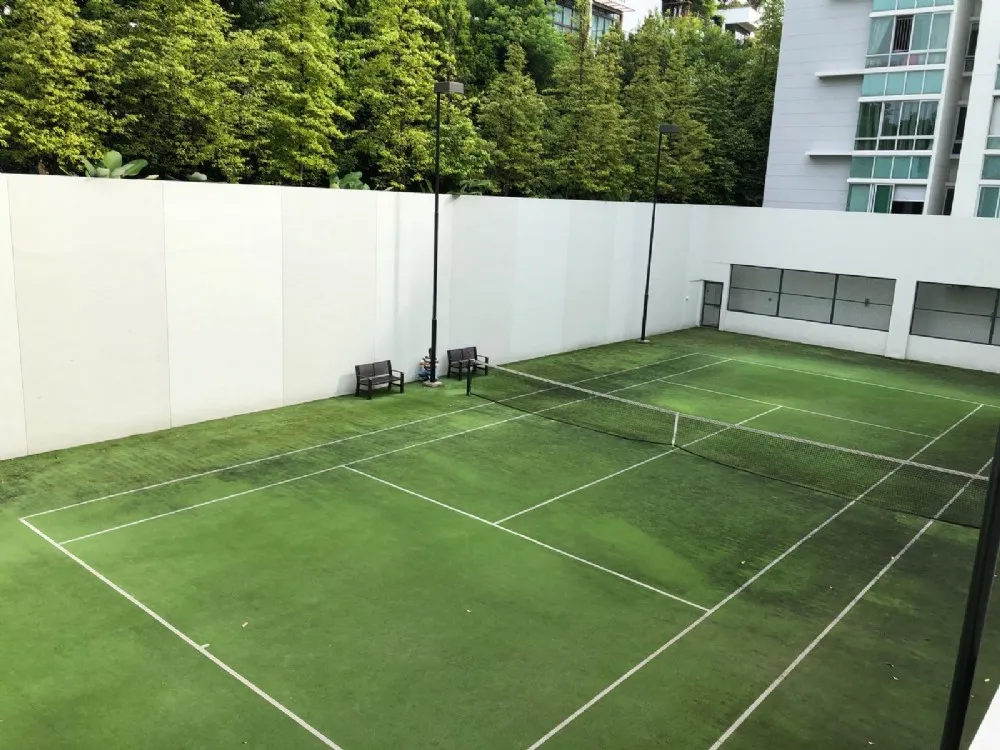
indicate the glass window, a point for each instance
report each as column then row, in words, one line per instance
column 868, row 123
column 914, row 83
column 896, row 126
column 883, row 199
column 901, row 168
column 879, row 42
column 895, row 83
column 991, row 168
column 858, row 197
column 997, row 84
column 993, row 138
column 878, row 5
column 873, row 84
column 926, row 122
column 958, row 313
column 883, row 167
column 963, row 111
column 890, row 118
column 921, row 32
column 861, row 166
column 949, row 201
column 939, row 31
column 908, row 39
column 908, row 118
column 989, row 199
column 933, row 82
column 921, row 168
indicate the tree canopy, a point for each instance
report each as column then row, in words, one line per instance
column 300, row 91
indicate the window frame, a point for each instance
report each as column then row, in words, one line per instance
column 889, row 53
column 902, row 124
column 992, row 318
column 833, row 299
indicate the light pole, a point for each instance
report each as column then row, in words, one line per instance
column 441, row 87
column 665, row 129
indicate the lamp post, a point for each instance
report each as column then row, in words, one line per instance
column 440, row 88
column 665, row 129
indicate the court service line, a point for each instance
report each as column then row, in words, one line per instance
column 836, row 621
column 327, row 444
column 633, row 466
column 527, row 538
column 328, row 469
column 760, row 573
column 795, row 408
column 851, row 380
column 186, row 639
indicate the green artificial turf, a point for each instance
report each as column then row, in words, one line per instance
column 474, row 574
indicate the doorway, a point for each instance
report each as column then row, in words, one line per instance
column 711, row 307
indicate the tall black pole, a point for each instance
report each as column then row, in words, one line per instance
column 983, row 572
column 437, row 201
column 652, row 229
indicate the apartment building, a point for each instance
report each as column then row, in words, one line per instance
column 888, row 106
column 739, row 19
column 603, row 15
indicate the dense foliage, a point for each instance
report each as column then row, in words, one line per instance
column 300, row 91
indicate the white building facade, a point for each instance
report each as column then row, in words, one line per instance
column 888, row 106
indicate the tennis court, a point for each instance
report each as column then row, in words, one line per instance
column 711, row 541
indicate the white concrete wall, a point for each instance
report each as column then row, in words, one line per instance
column 91, row 308
column 149, row 305
column 945, row 250
column 13, row 437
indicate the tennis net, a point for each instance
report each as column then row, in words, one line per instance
column 896, row 484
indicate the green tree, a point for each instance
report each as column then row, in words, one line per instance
column 393, row 57
column 586, row 130
column 496, row 24
column 658, row 94
column 171, row 85
column 756, row 104
column 301, row 92
column 454, row 39
column 390, row 62
column 511, row 119
column 248, row 14
column 47, row 118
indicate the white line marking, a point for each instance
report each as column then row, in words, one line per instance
column 627, row 468
column 317, row 446
column 795, row 408
column 850, row 380
column 836, row 621
column 203, row 650
column 597, row 698
column 527, row 538
column 706, row 420
column 327, row 469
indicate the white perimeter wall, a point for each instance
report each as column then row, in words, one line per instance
column 128, row 307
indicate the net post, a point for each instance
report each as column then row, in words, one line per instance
column 980, row 587
column 673, row 439
column 468, row 381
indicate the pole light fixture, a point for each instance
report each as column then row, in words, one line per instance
column 665, row 129
column 441, row 88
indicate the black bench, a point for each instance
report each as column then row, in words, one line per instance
column 463, row 361
column 375, row 375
